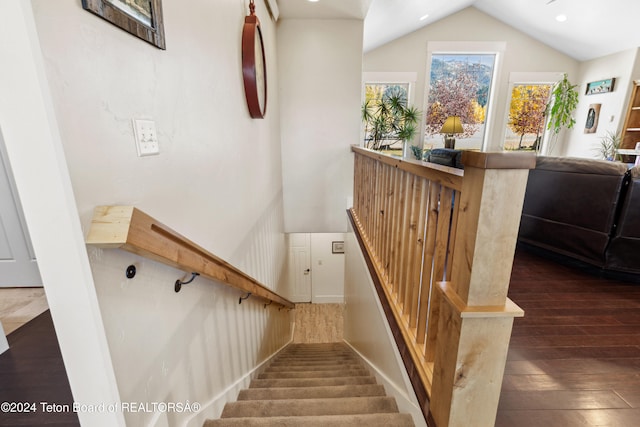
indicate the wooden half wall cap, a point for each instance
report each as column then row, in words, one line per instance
column 499, row 160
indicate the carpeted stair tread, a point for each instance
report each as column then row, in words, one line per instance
column 275, row 393
column 314, row 374
column 312, row 382
column 335, row 359
column 307, row 407
column 313, row 385
column 368, row 420
column 304, row 367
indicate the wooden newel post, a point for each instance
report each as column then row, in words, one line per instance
column 476, row 317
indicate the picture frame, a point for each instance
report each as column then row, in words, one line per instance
column 593, row 114
column 142, row 18
column 600, row 86
column 337, row 247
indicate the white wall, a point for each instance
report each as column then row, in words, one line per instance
column 614, row 104
column 320, row 62
column 327, row 269
column 217, row 180
column 367, row 331
column 522, row 54
column 34, row 149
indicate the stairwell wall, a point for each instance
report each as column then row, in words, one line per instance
column 217, row 180
column 366, row 330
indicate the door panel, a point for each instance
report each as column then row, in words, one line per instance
column 18, row 266
column 300, row 266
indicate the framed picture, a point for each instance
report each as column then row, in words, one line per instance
column 337, row 247
column 593, row 114
column 601, row 86
column 142, row 18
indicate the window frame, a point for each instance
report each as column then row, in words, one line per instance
column 469, row 48
column 388, row 78
column 528, row 78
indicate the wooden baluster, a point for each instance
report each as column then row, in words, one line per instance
column 386, row 220
column 418, row 254
column 404, row 240
column 431, row 234
column 377, row 223
column 445, row 226
column 397, row 231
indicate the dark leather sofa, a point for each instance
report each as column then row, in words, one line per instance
column 586, row 210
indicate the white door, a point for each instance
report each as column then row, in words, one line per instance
column 300, row 266
column 18, row 265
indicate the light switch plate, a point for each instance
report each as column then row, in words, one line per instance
column 146, row 137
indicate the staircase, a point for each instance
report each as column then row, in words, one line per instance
column 314, row 385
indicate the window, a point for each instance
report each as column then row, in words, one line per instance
column 526, row 118
column 459, row 85
column 382, row 114
column 386, row 109
column 525, row 125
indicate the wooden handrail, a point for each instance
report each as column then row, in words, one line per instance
column 128, row 228
column 439, row 243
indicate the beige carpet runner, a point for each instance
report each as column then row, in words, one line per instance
column 315, row 385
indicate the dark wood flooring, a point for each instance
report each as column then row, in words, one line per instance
column 32, row 372
column 574, row 359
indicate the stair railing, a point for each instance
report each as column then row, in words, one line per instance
column 440, row 244
column 128, row 228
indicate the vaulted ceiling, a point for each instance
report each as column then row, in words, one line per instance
column 592, row 28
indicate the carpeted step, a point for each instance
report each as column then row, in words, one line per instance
column 368, row 420
column 307, row 367
column 309, row 407
column 359, row 372
column 327, row 358
column 276, row 393
column 317, row 385
column 312, row 382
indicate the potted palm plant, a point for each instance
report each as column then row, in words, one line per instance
column 389, row 120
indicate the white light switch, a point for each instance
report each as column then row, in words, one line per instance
column 146, row 137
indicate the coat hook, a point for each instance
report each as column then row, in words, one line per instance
column 244, row 298
column 265, row 306
column 179, row 283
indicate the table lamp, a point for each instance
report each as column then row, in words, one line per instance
column 450, row 127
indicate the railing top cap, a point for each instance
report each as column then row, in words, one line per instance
column 499, row 160
column 470, row 158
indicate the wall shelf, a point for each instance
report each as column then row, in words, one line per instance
column 128, row 228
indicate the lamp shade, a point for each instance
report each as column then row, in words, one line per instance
column 452, row 125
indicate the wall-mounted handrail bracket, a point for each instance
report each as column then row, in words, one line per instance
column 269, row 303
column 244, row 297
column 130, row 272
column 179, row 283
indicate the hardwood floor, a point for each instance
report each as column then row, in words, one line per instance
column 32, row 372
column 574, row 359
column 20, row 305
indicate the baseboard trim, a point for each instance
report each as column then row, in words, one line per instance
column 213, row 408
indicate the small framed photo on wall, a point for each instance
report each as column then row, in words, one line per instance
column 593, row 115
column 337, row 247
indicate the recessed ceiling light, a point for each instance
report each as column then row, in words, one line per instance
column 422, row 18
column 313, row 1
column 561, row 18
